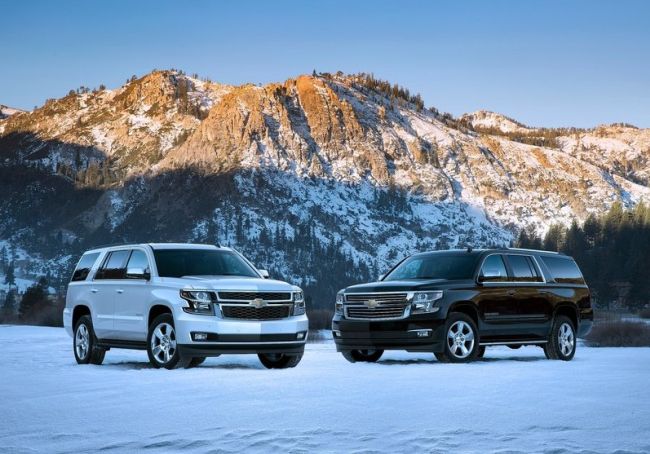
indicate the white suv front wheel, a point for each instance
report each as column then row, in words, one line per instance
column 161, row 344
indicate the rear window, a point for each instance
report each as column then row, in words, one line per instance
column 564, row 270
column 84, row 266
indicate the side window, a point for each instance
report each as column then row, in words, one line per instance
column 564, row 270
column 114, row 266
column 523, row 269
column 493, row 269
column 138, row 260
column 84, row 266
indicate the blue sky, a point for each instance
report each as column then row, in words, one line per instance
column 551, row 63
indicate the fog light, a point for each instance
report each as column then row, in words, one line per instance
column 300, row 336
column 422, row 332
column 336, row 333
column 200, row 336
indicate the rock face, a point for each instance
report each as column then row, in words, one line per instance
column 313, row 169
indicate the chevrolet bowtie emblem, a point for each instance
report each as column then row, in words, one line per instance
column 258, row 303
column 372, row 304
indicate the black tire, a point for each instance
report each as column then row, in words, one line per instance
column 168, row 354
column 84, row 343
column 514, row 346
column 481, row 351
column 562, row 341
column 362, row 356
column 196, row 361
column 279, row 360
column 463, row 347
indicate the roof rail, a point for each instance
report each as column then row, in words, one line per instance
column 533, row 250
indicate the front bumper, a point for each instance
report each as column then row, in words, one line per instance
column 414, row 335
column 287, row 335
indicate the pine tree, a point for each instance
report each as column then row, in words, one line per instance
column 9, row 305
column 32, row 298
column 10, row 277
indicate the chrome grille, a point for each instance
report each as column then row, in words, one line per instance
column 249, row 296
column 254, row 313
column 386, row 306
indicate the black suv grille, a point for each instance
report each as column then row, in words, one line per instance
column 249, row 296
column 253, row 313
column 384, row 306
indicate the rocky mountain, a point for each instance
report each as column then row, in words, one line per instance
column 6, row 111
column 324, row 179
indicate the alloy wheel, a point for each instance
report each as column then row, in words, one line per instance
column 460, row 339
column 566, row 339
column 82, row 341
column 163, row 343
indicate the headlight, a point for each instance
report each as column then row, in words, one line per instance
column 424, row 302
column 338, row 308
column 298, row 303
column 199, row 301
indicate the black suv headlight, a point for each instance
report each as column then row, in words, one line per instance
column 298, row 303
column 424, row 302
column 338, row 306
column 199, row 301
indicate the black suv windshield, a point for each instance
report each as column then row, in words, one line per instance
column 201, row 262
column 434, row 266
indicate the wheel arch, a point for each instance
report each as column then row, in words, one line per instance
column 79, row 311
column 465, row 307
column 569, row 310
column 158, row 309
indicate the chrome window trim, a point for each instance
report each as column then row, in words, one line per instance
column 509, row 283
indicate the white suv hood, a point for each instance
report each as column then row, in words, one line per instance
column 231, row 283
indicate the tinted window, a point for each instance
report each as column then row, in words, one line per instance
column 523, row 268
column 201, row 262
column 114, row 266
column 564, row 270
column 434, row 266
column 138, row 259
column 494, row 269
column 83, row 267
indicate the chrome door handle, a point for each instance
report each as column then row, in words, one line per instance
column 511, row 293
column 94, row 290
column 119, row 290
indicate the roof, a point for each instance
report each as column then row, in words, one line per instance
column 158, row 246
column 488, row 250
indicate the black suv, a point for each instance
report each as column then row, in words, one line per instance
column 455, row 303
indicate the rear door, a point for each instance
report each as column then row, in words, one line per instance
column 132, row 295
column 108, row 275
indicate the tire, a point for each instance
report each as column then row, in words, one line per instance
column 514, row 346
column 481, row 351
column 461, row 339
column 196, row 361
column 279, row 360
column 362, row 356
column 161, row 344
column 562, row 340
column 84, row 343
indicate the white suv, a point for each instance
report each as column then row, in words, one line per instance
column 182, row 303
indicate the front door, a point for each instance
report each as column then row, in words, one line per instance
column 104, row 289
column 131, row 299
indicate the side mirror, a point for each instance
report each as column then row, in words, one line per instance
column 264, row 274
column 137, row 273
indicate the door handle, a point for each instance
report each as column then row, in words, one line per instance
column 511, row 292
column 119, row 290
column 94, row 290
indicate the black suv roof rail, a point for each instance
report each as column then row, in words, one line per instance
column 532, row 250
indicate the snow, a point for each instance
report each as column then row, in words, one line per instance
column 513, row 401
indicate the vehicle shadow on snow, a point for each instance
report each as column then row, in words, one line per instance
column 402, row 362
column 141, row 365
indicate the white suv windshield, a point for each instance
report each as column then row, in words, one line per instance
column 201, row 262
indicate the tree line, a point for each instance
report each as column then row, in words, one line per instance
column 612, row 251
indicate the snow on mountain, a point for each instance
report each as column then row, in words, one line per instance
column 313, row 169
column 6, row 111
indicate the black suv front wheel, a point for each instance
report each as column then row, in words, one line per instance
column 562, row 340
column 461, row 339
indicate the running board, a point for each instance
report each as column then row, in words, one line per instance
column 530, row 342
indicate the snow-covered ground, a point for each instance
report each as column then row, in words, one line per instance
column 513, row 401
